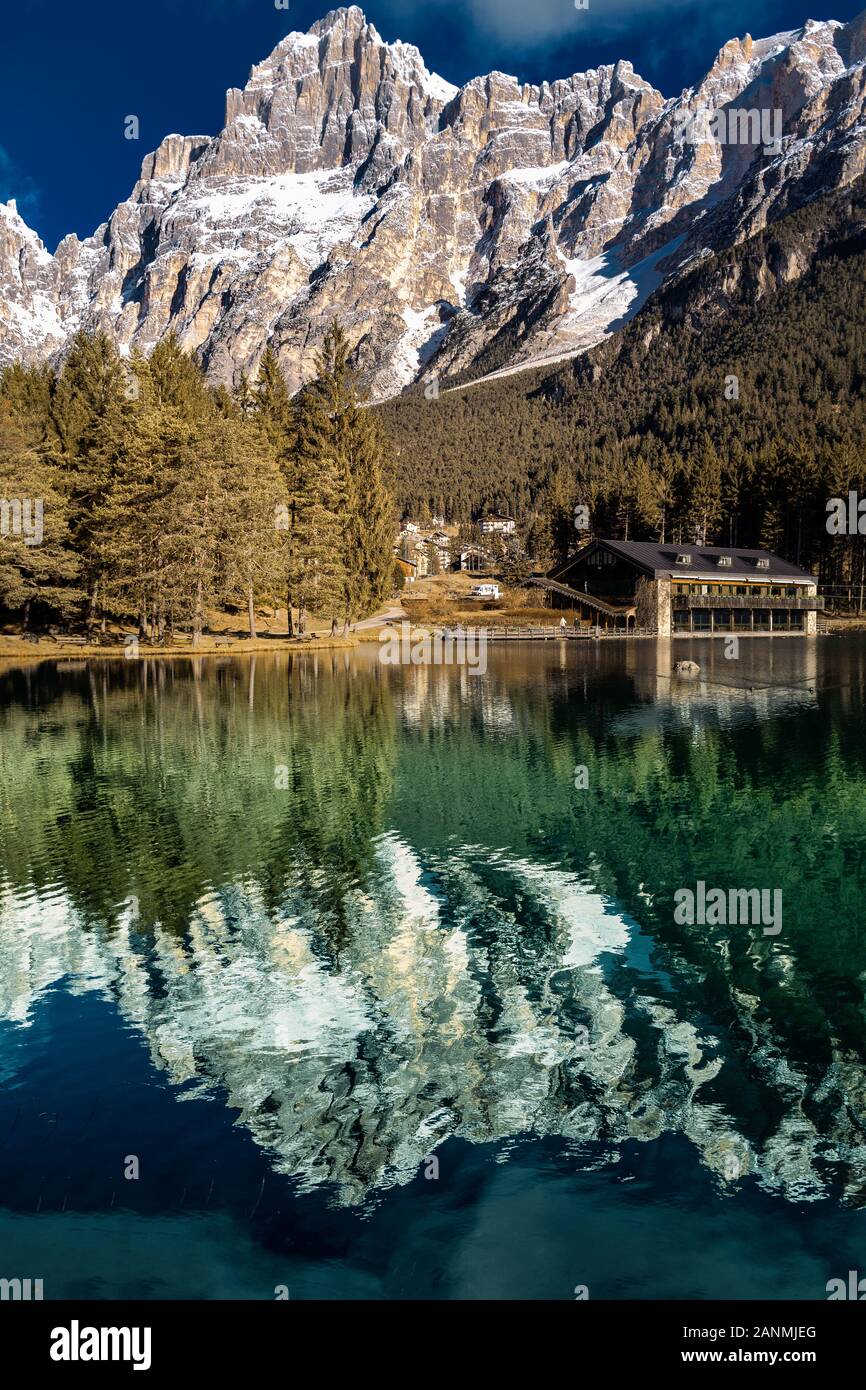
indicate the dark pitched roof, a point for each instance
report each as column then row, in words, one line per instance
column 613, row 610
column 662, row 559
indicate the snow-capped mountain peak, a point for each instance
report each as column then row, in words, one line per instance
column 451, row 230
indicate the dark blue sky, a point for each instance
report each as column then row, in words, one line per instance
column 70, row 73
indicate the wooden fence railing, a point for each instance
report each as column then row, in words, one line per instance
column 544, row 634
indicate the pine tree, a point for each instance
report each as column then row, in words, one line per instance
column 705, row 506
column 244, row 395
column 370, row 515
column 558, row 511
column 273, row 405
column 28, row 391
column 516, row 564
column 343, row 508
column 89, row 401
column 160, row 521
column 654, row 493
column 172, row 378
column 316, row 565
column 127, row 539
column 252, row 543
column 276, row 413
column 37, row 561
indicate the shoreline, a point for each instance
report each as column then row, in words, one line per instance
column 21, row 652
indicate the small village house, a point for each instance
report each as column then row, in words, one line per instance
column 407, row 568
column 442, row 545
column 474, row 560
column 494, row 524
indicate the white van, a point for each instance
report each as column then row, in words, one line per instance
column 485, row 591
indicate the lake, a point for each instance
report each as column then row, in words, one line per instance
column 323, row 978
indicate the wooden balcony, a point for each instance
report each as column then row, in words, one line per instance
column 806, row 603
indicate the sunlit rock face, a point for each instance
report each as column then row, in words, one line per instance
column 451, row 231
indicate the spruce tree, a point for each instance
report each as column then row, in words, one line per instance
column 87, row 409
column 171, row 377
column 252, row 542
column 37, row 561
column 705, row 504
column 160, row 523
column 516, row 564
column 370, row 516
column 276, row 413
column 561, row 538
column 273, row 405
column 28, row 392
column 316, row 564
column 343, row 511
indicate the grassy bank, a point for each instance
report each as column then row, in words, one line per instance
column 19, row 649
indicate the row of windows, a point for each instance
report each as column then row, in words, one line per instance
column 723, row 561
column 702, row 619
column 760, row 590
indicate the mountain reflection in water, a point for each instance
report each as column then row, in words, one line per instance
column 427, row 931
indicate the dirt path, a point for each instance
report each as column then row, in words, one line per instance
column 392, row 614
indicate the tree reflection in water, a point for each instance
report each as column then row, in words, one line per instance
column 422, row 929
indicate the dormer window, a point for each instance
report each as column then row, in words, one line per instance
column 684, row 559
column 724, row 561
column 762, row 564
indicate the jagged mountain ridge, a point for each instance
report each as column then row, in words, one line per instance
column 452, row 231
column 785, row 311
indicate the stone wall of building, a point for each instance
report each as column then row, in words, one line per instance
column 811, row 626
column 652, row 611
column 664, row 607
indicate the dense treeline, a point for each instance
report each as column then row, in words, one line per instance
column 715, row 416
column 732, row 426
column 134, row 491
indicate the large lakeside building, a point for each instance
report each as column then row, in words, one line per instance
column 673, row 590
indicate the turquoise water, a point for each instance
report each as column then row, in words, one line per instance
column 348, row 980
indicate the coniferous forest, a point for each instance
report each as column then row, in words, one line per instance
column 162, row 499
column 712, row 417
column 728, row 418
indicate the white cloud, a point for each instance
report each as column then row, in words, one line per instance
column 542, row 23
column 531, row 22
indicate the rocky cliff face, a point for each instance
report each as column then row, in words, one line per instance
column 454, row 233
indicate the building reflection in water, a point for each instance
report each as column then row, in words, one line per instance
column 432, row 933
